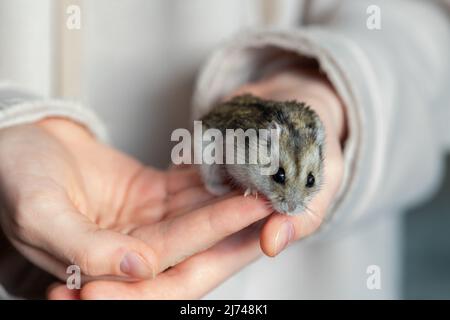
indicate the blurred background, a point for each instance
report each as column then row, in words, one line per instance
column 144, row 68
column 426, row 247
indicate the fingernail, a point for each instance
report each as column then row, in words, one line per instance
column 284, row 236
column 135, row 266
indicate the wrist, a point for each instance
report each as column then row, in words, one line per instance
column 65, row 129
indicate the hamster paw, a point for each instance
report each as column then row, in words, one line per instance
column 217, row 189
column 249, row 191
column 213, row 178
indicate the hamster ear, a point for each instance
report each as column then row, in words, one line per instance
column 321, row 135
column 273, row 125
column 319, row 130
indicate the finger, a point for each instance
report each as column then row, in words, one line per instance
column 193, row 198
column 175, row 239
column 56, row 227
column 155, row 194
column 178, row 180
column 41, row 259
column 58, row 291
column 188, row 199
column 280, row 230
column 190, row 279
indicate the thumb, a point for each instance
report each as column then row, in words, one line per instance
column 52, row 224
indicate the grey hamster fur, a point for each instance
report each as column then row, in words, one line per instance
column 301, row 144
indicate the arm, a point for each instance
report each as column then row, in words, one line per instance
column 387, row 81
column 363, row 112
column 69, row 199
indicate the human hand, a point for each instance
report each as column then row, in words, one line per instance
column 312, row 87
column 190, row 279
column 68, row 199
column 202, row 272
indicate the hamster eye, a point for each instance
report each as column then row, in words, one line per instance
column 310, row 180
column 279, row 177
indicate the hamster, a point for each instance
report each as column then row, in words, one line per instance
column 301, row 137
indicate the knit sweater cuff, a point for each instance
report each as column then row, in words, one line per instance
column 19, row 106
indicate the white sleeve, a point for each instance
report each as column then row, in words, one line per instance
column 20, row 106
column 389, row 81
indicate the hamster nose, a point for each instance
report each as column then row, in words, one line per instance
column 291, row 206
